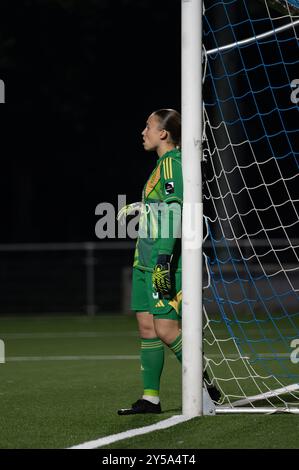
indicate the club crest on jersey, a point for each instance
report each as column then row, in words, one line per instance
column 169, row 187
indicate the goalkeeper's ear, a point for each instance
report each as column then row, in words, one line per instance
column 164, row 135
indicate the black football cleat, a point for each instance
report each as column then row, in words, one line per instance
column 214, row 393
column 139, row 407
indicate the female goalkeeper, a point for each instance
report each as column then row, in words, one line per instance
column 156, row 290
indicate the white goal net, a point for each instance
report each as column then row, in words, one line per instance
column 251, row 202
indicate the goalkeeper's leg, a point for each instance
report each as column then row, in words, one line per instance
column 152, row 350
column 152, row 357
column 152, row 362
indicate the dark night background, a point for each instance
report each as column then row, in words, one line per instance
column 81, row 77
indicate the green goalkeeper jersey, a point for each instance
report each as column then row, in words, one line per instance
column 160, row 221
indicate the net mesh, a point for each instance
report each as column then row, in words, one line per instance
column 251, row 196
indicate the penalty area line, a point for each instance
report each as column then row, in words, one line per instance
column 104, row 441
column 72, row 358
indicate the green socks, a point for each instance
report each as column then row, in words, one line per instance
column 176, row 347
column 152, row 362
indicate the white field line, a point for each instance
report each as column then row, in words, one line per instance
column 98, row 357
column 80, row 334
column 128, row 357
column 101, row 334
column 104, row 441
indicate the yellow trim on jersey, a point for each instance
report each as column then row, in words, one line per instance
column 170, row 168
column 167, row 165
column 165, row 169
column 176, row 301
column 154, row 178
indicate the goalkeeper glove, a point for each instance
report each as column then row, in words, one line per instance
column 161, row 275
column 127, row 210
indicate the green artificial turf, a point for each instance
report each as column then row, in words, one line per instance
column 46, row 403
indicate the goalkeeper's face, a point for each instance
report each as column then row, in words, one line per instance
column 152, row 134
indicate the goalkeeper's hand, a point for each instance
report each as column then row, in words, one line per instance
column 127, row 210
column 161, row 275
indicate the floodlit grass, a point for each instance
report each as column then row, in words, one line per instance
column 60, row 403
column 222, row 432
column 56, row 404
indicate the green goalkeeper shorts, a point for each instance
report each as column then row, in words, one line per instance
column 146, row 299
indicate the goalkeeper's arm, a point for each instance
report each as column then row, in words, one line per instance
column 162, row 270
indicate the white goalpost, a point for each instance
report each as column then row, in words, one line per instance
column 192, row 227
column 240, row 244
